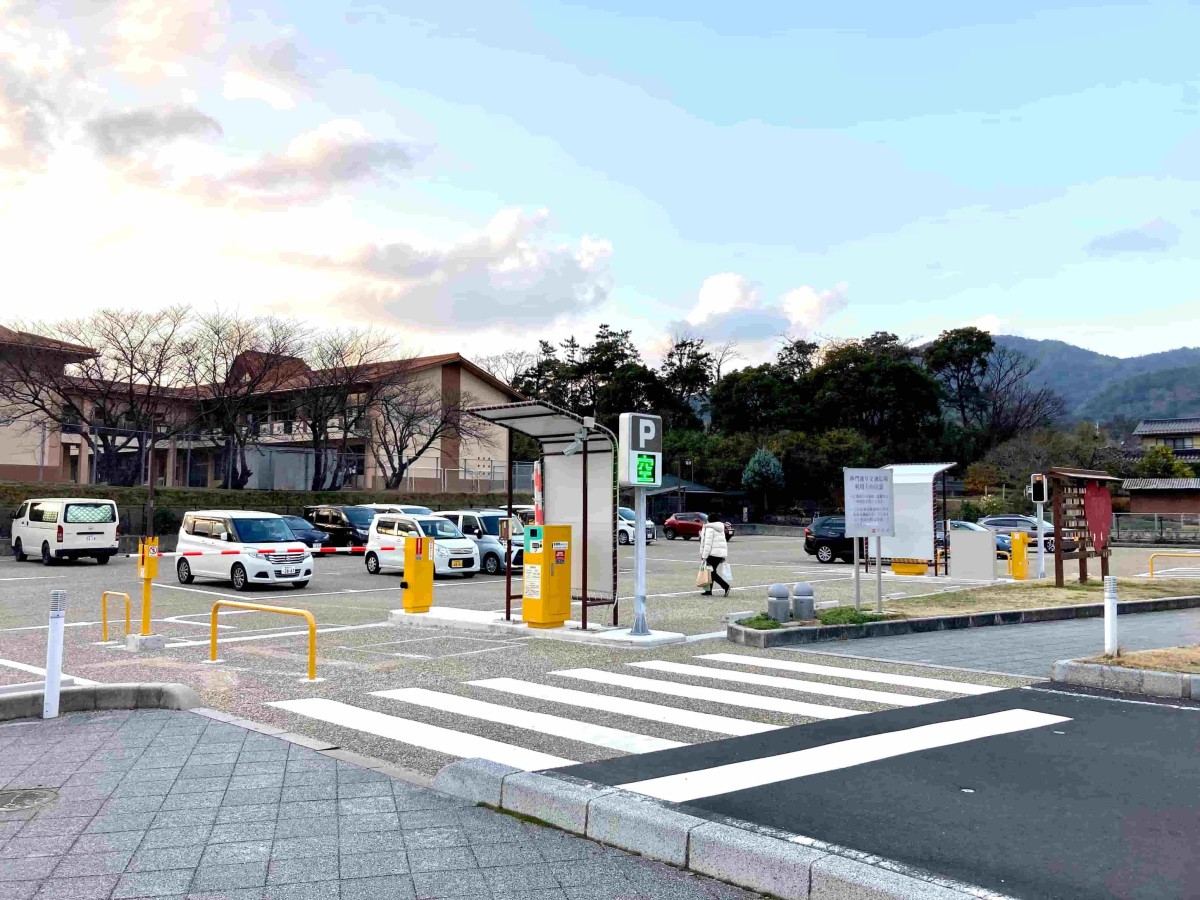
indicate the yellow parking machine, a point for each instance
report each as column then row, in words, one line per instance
column 1020, row 556
column 417, row 594
column 546, row 593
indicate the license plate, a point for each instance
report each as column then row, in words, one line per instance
column 91, row 538
column 295, row 570
column 456, row 563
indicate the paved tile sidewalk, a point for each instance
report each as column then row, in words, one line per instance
column 171, row 805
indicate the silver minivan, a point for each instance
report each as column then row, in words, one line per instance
column 483, row 527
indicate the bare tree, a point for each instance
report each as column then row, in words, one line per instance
column 1010, row 404
column 348, row 373
column 235, row 367
column 411, row 417
column 508, row 364
column 723, row 356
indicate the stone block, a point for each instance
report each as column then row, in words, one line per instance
column 564, row 804
column 1072, row 671
column 1163, row 684
column 149, row 695
column 1192, row 688
column 754, row 861
column 477, row 780
column 137, row 643
column 1119, row 678
column 77, row 699
column 116, row 696
column 23, row 705
column 839, row 878
column 630, row 822
column 178, row 696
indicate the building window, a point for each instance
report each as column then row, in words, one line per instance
column 1178, row 443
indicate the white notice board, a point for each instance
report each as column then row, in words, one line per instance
column 869, row 502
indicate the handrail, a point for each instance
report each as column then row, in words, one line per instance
column 282, row 610
column 1154, row 556
column 104, row 613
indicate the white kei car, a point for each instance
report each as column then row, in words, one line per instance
column 242, row 547
column 453, row 553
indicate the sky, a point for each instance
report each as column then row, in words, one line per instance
column 480, row 174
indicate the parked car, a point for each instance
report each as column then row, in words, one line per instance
column 826, row 539
column 405, row 508
column 525, row 513
column 1003, row 541
column 65, row 528
column 1027, row 524
column 483, row 527
column 626, row 530
column 453, row 553
column 306, row 532
column 688, row 525
column 346, row 526
column 241, row 547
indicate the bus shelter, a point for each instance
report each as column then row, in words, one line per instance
column 579, row 487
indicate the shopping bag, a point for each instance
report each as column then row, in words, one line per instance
column 725, row 572
column 703, row 577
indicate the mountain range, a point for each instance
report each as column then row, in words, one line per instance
column 1158, row 385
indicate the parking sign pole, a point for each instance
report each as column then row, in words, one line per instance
column 878, row 574
column 857, row 579
column 639, row 563
column 1041, row 538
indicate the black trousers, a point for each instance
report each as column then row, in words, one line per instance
column 713, row 563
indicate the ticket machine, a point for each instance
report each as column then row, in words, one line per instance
column 546, row 590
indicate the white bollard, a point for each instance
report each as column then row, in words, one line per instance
column 1110, row 615
column 54, row 653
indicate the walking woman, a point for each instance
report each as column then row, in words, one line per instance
column 714, row 550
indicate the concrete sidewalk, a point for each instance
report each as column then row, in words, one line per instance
column 154, row 803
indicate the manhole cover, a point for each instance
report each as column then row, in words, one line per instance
column 15, row 801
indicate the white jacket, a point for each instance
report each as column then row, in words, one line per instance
column 712, row 541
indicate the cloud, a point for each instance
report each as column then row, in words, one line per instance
column 149, row 40
column 274, row 73
column 510, row 273
column 1156, row 236
column 730, row 307
column 120, row 134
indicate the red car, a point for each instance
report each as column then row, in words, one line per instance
column 688, row 525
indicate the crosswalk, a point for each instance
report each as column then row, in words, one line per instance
column 589, row 714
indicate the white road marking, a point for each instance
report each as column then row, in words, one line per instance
column 623, row 706
column 34, row 670
column 265, row 637
column 600, row 735
column 713, row 695
column 753, row 773
column 33, row 577
column 790, row 684
column 418, row 734
column 913, row 681
column 44, row 627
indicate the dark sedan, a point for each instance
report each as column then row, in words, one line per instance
column 826, row 539
column 306, row 532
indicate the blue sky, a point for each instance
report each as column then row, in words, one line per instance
column 738, row 170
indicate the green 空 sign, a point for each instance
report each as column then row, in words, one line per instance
column 645, row 469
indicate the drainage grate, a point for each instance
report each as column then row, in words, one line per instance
column 28, row 798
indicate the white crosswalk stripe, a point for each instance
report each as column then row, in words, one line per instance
column 790, row 684
column 533, row 740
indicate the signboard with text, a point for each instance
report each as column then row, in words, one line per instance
column 870, row 504
column 639, row 461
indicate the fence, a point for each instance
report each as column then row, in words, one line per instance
column 1156, row 528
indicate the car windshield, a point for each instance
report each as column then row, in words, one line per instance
column 626, row 513
column 417, row 510
column 256, row 531
column 359, row 516
column 439, row 528
column 295, row 522
column 91, row 514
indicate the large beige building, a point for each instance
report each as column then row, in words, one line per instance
column 281, row 455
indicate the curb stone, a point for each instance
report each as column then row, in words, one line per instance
column 1126, row 680
column 788, row 866
column 92, row 697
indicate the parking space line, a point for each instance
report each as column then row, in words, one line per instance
column 34, row 670
column 873, row 675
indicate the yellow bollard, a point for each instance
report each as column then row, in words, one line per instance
column 416, row 590
column 104, row 613
column 1019, row 561
column 282, row 610
column 147, row 571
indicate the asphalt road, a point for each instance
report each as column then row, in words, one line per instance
column 1085, row 797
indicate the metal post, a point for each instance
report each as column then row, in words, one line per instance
column 508, row 548
column 584, row 561
column 857, row 578
column 54, row 654
column 1041, row 539
column 945, row 534
column 878, row 574
column 639, row 628
column 1110, row 616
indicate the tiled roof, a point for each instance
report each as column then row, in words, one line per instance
column 1168, row 426
column 25, row 339
column 1161, row 484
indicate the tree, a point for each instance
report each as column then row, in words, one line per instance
column 1011, row 404
column 410, row 417
column 1160, row 462
column 723, row 356
column 980, row 477
column 687, row 372
column 233, row 363
column 959, row 360
column 508, row 365
column 763, row 474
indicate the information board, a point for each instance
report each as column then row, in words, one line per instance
column 869, row 503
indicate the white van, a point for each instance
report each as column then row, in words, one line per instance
column 453, row 554
column 65, row 528
column 242, row 547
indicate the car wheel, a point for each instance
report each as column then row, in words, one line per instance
column 47, row 557
column 238, row 576
column 299, row 584
column 491, row 564
column 102, row 560
column 372, row 564
column 622, row 537
column 825, row 554
column 1049, row 545
column 183, row 571
column 19, row 554
column 669, row 534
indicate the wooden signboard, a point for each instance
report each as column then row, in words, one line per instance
column 1082, row 508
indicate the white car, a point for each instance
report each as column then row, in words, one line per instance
column 453, row 554
column 65, row 528
column 405, row 508
column 625, row 527
column 242, row 547
column 483, row 527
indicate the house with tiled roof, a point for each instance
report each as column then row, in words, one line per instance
column 1163, row 495
column 1181, row 435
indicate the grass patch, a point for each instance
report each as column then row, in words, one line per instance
column 1034, row 595
column 848, row 615
column 762, row 622
column 1170, row 659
